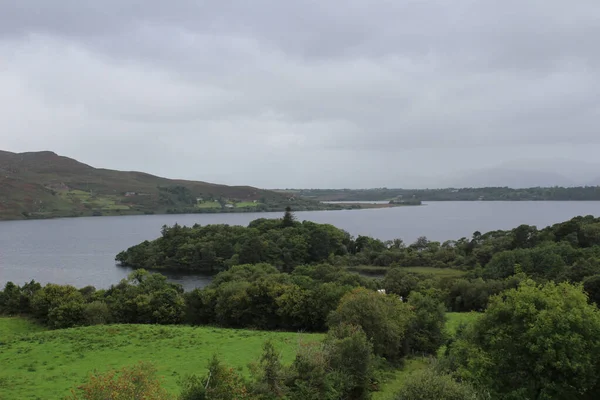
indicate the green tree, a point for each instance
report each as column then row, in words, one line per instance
column 384, row 318
column 533, row 342
column 308, row 377
column 427, row 328
column 350, row 358
column 591, row 285
column 59, row 306
column 400, row 282
column 288, row 218
column 269, row 374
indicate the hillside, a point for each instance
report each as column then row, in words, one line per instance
column 46, row 185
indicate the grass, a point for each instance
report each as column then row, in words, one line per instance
column 398, row 377
column 209, row 204
column 455, row 319
column 440, row 272
column 17, row 326
column 443, row 272
column 40, row 364
column 45, row 365
column 245, row 204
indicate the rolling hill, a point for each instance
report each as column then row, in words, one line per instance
column 46, row 185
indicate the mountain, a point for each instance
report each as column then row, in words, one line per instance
column 44, row 185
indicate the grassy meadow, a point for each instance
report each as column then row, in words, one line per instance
column 456, row 319
column 46, row 364
column 376, row 270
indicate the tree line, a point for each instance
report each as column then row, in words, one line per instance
column 556, row 193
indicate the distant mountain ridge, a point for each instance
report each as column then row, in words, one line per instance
column 44, row 184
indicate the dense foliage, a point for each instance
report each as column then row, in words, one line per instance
column 284, row 243
column 429, row 385
column 533, row 342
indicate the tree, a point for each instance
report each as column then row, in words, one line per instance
column 288, row 218
column 591, row 285
column 350, row 357
column 308, row 377
column 427, row 328
column 533, row 342
column 400, row 282
column 384, row 318
column 59, row 306
column 269, row 374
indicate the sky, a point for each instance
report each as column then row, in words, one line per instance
column 313, row 94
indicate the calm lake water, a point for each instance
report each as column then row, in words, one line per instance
column 81, row 251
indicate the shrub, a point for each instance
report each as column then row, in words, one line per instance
column 428, row 385
column 138, row 382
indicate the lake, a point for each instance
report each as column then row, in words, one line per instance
column 81, row 251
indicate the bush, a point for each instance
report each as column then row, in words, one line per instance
column 138, row 382
column 221, row 383
column 428, row 385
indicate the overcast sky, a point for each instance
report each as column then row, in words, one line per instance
column 303, row 93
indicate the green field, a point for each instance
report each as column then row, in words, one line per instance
column 456, row 319
column 396, row 379
column 45, row 365
column 16, row 326
column 376, row 270
column 444, row 272
column 245, row 204
column 41, row 364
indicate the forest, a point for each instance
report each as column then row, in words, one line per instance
column 452, row 194
column 533, row 292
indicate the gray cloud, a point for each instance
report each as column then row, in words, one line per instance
column 305, row 93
